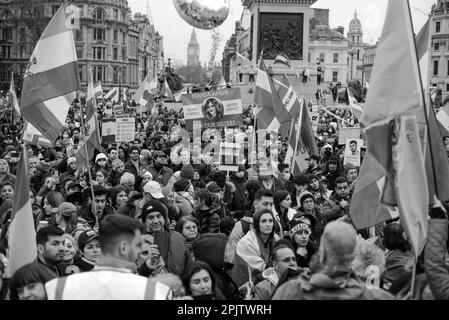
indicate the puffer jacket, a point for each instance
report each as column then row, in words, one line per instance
column 341, row 285
column 434, row 258
column 209, row 220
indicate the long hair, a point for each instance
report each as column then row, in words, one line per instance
column 280, row 196
column 266, row 254
column 193, row 268
column 54, row 198
column 113, row 193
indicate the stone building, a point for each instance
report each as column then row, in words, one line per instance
column 193, row 51
column 356, row 49
column 439, row 30
column 119, row 49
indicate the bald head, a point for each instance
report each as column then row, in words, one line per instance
column 338, row 243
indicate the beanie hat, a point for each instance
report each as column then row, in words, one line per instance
column 181, row 185
column 100, row 156
column 187, row 172
column 296, row 226
column 71, row 160
column 153, row 206
column 303, row 217
column 66, row 209
column 349, row 166
column 148, row 174
column 305, row 196
column 213, row 187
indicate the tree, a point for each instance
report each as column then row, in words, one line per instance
column 193, row 74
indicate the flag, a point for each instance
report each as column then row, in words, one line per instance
column 124, row 94
column 289, row 97
column 437, row 163
column 144, row 94
column 410, row 182
column 33, row 136
column 283, row 59
column 273, row 116
column 91, row 140
column 98, row 90
column 353, row 104
column 166, row 91
column 423, row 41
column 22, row 235
column 395, row 87
column 13, row 96
column 51, row 78
column 112, row 95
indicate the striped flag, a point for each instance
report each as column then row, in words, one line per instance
column 283, row 59
column 166, row 91
column 98, row 90
column 353, row 104
column 273, row 116
column 13, row 96
column 91, row 140
column 22, row 235
column 124, row 94
column 51, row 78
column 33, row 136
column 144, row 95
column 112, row 95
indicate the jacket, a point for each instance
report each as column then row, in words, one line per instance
column 239, row 198
column 185, row 202
column 434, row 258
column 264, row 289
column 113, row 280
column 174, row 252
column 341, row 285
column 332, row 210
column 209, row 220
column 85, row 212
column 237, row 233
column 162, row 176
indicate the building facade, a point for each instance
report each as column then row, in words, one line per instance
column 119, row 49
column 439, row 30
column 356, row 49
column 193, row 51
column 368, row 61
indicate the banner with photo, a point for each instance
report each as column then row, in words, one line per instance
column 214, row 109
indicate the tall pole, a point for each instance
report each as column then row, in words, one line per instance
column 120, row 84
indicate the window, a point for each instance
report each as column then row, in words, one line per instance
column 115, row 75
column 7, row 34
column 54, row 8
column 436, row 46
column 78, row 34
column 7, row 15
column 115, row 35
column 124, row 55
column 322, row 56
column 358, row 54
column 123, row 37
column 22, row 35
column 99, row 14
column 335, row 76
column 79, row 52
column 5, row 52
column 99, row 53
column 38, row 12
column 447, row 86
column 438, row 27
column 116, row 14
column 123, row 75
column 335, row 57
column 5, row 72
column 99, row 34
column 23, row 52
column 99, row 73
column 435, row 68
column 80, row 72
column 448, row 67
column 115, row 54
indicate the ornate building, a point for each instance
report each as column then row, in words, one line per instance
column 356, row 49
column 193, row 51
column 439, row 30
column 119, row 50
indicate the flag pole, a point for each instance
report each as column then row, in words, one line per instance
column 87, row 164
column 412, row 287
column 298, row 134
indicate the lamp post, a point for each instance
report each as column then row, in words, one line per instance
column 120, row 84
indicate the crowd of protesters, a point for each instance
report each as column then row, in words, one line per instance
column 157, row 225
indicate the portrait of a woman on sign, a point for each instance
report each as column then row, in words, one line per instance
column 213, row 109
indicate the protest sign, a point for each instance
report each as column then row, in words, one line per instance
column 315, row 119
column 108, row 131
column 125, row 129
column 119, row 111
column 353, row 152
column 175, row 106
column 349, row 133
column 229, row 156
column 220, row 108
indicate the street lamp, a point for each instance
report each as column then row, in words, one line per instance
column 119, row 84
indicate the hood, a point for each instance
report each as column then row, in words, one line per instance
column 271, row 275
column 342, row 287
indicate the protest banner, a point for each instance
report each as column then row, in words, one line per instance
column 125, row 129
column 108, row 130
column 175, row 106
column 229, row 156
column 220, row 108
column 315, row 119
column 353, row 152
column 349, row 133
column 119, row 111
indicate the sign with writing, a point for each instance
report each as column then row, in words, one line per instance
column 125, row 129
column 229, row 156
column 348, row 133
column 352, row 152
column 315, row 119
column 220, row 108
column 108, row 130
column 119, row 111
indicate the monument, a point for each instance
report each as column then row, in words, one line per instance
column 280, row 26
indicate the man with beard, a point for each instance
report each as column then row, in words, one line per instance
column 337, row 205
column 161, row 173
column 51, row 250
column 313, row 168
column 133, row 165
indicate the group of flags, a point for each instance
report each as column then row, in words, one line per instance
column 406, row 164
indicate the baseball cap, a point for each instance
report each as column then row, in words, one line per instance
column 66, row 209
column 154, row 188
column 85, row 237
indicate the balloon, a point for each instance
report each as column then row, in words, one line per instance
column 203, row 14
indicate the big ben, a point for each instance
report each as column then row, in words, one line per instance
column 193, row 51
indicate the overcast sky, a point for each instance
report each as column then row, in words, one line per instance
column 176, row 31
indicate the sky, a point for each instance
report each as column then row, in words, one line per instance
column 176, row 31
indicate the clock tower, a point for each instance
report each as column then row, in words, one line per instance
column 193, row 51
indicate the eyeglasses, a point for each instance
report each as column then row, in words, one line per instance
column 289, row 259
